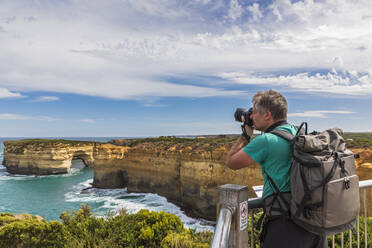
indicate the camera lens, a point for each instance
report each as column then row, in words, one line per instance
column 238, row 114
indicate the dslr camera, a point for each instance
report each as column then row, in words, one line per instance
column 240, row 112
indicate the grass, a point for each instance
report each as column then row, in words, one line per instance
column 47, row 142
column 206, row 143
column 358, row 140
column 353, row 140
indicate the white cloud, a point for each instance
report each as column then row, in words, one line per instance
column 255, row 10
column 235, row 10
column 6, row 116
column 30, row 19
column 338, row 63
column 5, row 93
column 47, row 99
column 320, row 113
column 121, row 49
column 350, row 83
column 86, row 120
column 44, row 118
column 203, row 1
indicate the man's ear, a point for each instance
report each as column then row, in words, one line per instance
column 268, row 116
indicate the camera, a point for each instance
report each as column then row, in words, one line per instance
column 239, row 112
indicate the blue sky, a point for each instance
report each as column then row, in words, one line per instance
column 134, row 68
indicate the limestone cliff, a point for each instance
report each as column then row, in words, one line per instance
column 185, row 171
column 45, row 157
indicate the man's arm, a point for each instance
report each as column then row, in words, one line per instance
column 237, row 158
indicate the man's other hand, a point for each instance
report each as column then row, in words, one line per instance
column 248, row 130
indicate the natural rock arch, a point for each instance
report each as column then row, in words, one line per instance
column 86, row 156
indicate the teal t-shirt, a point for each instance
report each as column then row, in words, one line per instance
column 273, row 154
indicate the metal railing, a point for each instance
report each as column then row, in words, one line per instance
column 235, row 229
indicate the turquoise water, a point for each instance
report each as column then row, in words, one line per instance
column 48, row 196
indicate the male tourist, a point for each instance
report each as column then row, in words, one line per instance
column 273, row 154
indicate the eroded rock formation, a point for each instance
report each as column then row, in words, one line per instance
column 186, row 172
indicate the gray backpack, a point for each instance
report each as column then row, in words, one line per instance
column 324, row 196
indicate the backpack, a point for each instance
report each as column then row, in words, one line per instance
column 324, row 197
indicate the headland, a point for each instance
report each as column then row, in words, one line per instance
column 187, row 171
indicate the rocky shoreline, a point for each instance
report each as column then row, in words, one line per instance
column 185, row 171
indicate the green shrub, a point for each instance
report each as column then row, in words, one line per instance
column 144, row 229
column 354, row 235
column 188, row 238
column 32, row 233
column 79, row 229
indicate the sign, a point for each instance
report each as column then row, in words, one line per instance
column 258, row 190
column 243, row 215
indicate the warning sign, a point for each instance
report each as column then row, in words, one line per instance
column 243, row 215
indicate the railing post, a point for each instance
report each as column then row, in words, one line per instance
column 236, row 197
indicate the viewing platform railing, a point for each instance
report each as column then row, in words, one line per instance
column 236, row 220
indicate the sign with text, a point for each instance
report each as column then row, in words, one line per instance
column 243, row 215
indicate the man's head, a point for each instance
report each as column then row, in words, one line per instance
column 268, row 108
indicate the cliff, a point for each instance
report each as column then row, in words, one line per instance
column 185, row 171
column 45, row 157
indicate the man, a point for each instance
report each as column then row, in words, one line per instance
column 273, row 154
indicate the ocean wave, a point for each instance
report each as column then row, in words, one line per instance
column 115, row 199
column 4, row 175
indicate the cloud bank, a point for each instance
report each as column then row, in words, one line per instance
column 320, row 113
column 47, row 99
column 5, row 93
column 122, row 48
column 8, row 116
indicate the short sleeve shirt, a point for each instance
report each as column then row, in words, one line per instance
column 273, row 154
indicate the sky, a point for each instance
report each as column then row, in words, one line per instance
column 138, row 68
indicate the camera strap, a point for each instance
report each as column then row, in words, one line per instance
column 275, row 125
column 244, row 133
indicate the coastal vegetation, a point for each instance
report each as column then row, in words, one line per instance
column 48, row 142
column 358, row 140
column 206, row 142
column 81, row 229
column 353, row 140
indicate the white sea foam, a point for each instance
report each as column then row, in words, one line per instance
column 4, row 175
column 115, row 199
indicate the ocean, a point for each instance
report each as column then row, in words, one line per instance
column 48, row 196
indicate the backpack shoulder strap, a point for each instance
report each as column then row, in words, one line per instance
column 283, row 134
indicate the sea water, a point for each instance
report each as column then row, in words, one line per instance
column 48, row 196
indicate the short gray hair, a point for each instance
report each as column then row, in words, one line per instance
column 271, row 101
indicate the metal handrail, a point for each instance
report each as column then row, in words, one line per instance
column 365, row 184
column 254, row 203
column 222, row 231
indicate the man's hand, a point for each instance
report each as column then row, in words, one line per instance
column 237, row 158
column 248, row 130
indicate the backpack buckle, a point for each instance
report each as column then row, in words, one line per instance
column 347, row 183
column 307, row 213
column 341, row 161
